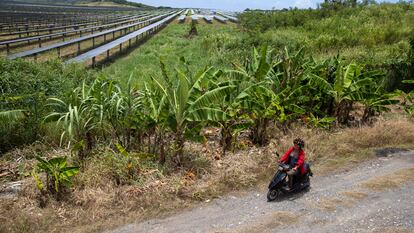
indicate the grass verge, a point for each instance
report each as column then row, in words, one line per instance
column 271, row 221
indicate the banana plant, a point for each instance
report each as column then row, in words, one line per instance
column 290, row 68
column 279, row 93
column 315, row 121
column 374, row 98
column 409, row 107
column 58, row 174
column 288, row 82
column 350, row 86
column 156, row 112
column 259, row 100
column 408, row 102
column 349, row 83
column 188, row 102
column 236, row 120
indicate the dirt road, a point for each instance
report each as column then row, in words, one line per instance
column 373, row 197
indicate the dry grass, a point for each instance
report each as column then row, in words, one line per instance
column 20, row 216
column 340, row 149
column 345, row 199
column 271, row 222
column 99, row 201
column 393, row 230
column 328, row 204
column 356, row 195
column 390, row 181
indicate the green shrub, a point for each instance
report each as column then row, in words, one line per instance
column 365, row 30
column 26, row 85
column 58, row 175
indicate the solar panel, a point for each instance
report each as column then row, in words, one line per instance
column 194, row 18
column 118, row 42
column 220, row 19
column 181, row 18
column 208, row 19
column 77, row 40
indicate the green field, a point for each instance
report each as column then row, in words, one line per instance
column 171, row 44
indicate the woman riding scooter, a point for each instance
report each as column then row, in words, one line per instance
column 295, row 158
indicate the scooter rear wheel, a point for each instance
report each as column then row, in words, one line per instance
column 273, row 194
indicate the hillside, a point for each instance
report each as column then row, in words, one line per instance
column 108, row 3
column 111, row 3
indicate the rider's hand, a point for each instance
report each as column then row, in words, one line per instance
column 294, row 169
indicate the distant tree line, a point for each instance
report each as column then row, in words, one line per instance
column 335, row 5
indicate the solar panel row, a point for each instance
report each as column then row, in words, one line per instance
column 92, row 54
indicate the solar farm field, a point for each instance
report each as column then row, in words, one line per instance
column 173, row 43
column 46, row 32
column 82, row 34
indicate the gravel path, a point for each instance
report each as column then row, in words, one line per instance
column 336, row 203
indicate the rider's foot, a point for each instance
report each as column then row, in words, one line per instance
column 286, row 188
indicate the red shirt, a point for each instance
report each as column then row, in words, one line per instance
column 299, row 163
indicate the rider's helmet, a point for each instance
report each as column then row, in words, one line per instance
column 299, row 142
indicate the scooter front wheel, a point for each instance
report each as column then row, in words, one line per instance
column 273, row 194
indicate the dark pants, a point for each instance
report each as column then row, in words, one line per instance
column 291, row 174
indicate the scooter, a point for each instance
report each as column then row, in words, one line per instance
column 279, row 183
